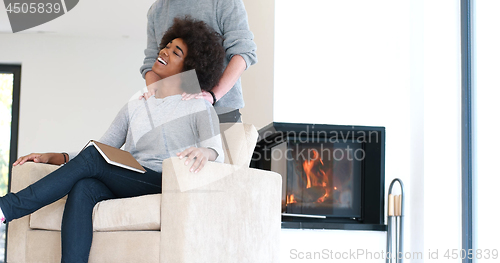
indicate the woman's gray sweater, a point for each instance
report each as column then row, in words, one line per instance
column 156, row 129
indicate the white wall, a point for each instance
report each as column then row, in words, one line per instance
column 71, row 87
column 442, row 126
column 257, row 81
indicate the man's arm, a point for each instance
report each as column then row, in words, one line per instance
column 232, row 19
column 151, row 53
column 229, row 77
column 231, row 74
column 238, row 43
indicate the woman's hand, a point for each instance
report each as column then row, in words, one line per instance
column 202, row 155
column 202, row 95
column 39, row 158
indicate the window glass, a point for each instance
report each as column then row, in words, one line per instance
column 6, row 91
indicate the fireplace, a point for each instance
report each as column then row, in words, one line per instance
column 333, row 175
column 321, row 178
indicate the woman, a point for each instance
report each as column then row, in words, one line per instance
column 151, row 130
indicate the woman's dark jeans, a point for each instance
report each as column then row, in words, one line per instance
column 87, row 179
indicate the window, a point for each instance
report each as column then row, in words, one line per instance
column 10, row 76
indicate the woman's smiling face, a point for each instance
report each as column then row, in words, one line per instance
column 171, row 59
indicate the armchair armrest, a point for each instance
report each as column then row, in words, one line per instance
column 23, row 176
column 28, row 173
column 224, row 213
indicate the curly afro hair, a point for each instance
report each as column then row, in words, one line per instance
column 205, row 51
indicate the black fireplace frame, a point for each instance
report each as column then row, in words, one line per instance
column 372, row 179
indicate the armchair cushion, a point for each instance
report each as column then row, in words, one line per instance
column 125, row 214
column 136, row 213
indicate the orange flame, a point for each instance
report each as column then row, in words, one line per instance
column 309, row 165
column 315, row 175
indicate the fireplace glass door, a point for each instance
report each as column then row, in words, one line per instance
column 320, row 178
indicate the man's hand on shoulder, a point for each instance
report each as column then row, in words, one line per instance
column 152, row 85
column 202, row 95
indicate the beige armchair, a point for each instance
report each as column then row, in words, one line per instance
column 225, row 213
